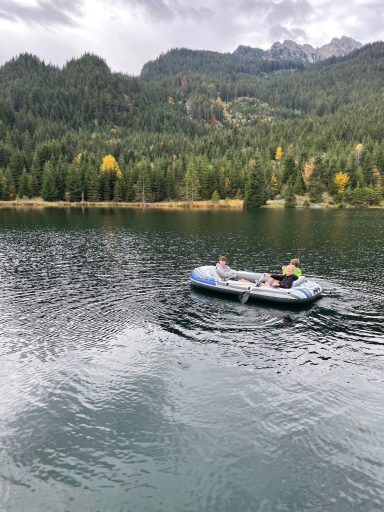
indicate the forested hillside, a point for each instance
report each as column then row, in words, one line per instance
column 194, row 126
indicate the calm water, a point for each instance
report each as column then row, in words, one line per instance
column 123, row 389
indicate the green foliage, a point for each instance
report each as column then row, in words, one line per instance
column 316, row 185
column 74, row 187
column 48, row 189
column 366, row 195
column 215, row 197
column 92, row 184
column 290, row 171
column 290, row 197
column 25, row 185
column 194, row 145
column 256, row 189
column 191, row 182
column 142, row 187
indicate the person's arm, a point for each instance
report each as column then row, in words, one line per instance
column 278, row 277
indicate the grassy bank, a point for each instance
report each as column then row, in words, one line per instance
column 234, row 204
column 37, row 202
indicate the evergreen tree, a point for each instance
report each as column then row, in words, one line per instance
column 9, row 186
column 74, row 187
column 143, row 184
column 290, row 197
column 191, row 182
column 91, row 183
column 256, row 188
column 215, row 197
column 48, row 190
column 290, row 170
column 25, row 185
column 316, row 186
column 117, row 191
column 2, row 185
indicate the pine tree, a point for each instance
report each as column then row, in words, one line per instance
column 290, row 170
column 316, row 181
column 215, row 198
column 256, row 188
column 48, row 189
column 74, row 188
column 290, row 197
column 2, row 185
column 10, row 189
column 191, row 182
column 25, row 188
column 91, row 183
column 143, row 184
column 117, row 190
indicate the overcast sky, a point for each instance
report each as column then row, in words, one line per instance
column 128, row 33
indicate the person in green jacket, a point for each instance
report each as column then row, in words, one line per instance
column 297, row 265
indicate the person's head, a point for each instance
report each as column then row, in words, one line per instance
column 295, row 262
column 290, row 269
column 222, row 260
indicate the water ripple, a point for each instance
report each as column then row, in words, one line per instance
column 122, row 388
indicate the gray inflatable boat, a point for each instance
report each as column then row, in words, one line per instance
column 303, row 290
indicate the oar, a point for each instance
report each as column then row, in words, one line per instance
column 244, row 296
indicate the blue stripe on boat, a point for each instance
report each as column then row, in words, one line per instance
column 304, row 292
column 206, row 280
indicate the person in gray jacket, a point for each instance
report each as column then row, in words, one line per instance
column 223, row 270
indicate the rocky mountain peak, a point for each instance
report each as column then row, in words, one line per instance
column 338, row 47
column 304, row 54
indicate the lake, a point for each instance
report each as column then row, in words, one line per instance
column 124, row 389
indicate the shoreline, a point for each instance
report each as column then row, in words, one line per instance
column 223, row 204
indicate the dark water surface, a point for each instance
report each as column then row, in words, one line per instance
column 124, row 389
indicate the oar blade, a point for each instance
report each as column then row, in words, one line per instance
column 243, row 297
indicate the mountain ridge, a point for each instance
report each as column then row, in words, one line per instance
column 305, row 54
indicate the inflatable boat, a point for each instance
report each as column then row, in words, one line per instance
column 303, row 290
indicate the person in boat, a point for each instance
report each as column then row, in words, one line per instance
column 297, row 265
column 225, row 272
column 285, row 280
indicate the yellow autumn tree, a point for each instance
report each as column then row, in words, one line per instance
column 78, row 159
column 110, row 165
column 358, row 150
column 218, row 101
column 279, row 153
column 308, row 170
column 274, row 185
column 170, row 100
column 341, row 181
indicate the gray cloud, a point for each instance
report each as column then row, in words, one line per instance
column 6, row 16
column 45, row 12
column 289, row 10
column 128, row 33
column 252, row 6
column 278, row 32
column 163, row 10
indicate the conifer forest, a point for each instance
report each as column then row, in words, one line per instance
column 194, row 125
